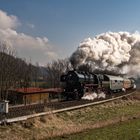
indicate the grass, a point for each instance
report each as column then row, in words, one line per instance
column 123, row 131
column 80, row 120
column 102, row 112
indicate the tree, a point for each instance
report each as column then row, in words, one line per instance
column 7, row 68
column 14, row 72
column 55, row 70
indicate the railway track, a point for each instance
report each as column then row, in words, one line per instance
column 18, row 113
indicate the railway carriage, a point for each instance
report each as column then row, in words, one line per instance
column 112, row 83
column 128, row 83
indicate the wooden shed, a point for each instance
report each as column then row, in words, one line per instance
column 31, row 95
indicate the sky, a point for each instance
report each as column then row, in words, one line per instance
column 47, row 30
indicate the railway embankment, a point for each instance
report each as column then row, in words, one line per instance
column 45, row 127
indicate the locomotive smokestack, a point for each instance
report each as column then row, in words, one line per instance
column 110, row 51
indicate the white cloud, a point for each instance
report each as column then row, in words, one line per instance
column 36, row 48
column 8, row 21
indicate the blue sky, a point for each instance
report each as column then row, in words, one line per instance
column 68, row 22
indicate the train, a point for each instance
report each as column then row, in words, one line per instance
column 77, row 83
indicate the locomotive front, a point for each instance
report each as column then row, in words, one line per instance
column 73, row 84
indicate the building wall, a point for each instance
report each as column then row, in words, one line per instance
column 35, row 98
column 28, row 98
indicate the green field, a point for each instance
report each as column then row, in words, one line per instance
column 123, row 131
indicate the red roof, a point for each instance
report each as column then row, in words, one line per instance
column 38, row 90
column 28, row 90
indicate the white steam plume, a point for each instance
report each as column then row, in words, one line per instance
column 118, row 51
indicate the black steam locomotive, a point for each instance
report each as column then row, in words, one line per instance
column 76, row 83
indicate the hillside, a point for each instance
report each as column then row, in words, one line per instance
column 16, row 72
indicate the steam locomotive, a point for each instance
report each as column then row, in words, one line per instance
column 76, row 83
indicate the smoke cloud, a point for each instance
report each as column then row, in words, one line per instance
column 118, row 51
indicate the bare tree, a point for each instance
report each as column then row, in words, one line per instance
column 55, row 70
column 15, row 72
column 7, row 68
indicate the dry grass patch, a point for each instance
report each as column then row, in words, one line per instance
column 73, row 121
